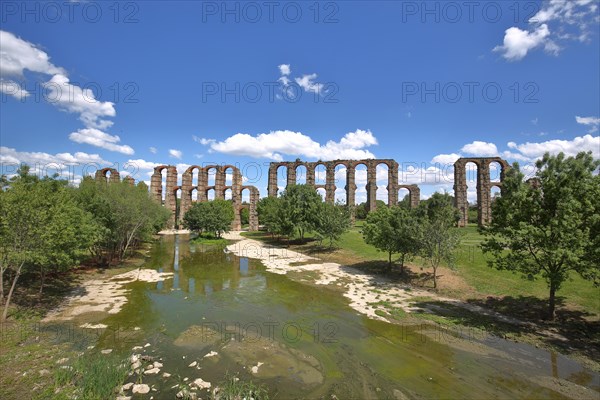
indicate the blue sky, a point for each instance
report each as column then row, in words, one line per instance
column 187, row 83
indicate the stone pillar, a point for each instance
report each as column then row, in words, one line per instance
column 220, row 183
column 114, row 176
column 129, row 180
column 186, row 193
column 202, row 184
column 371, row 186
column 415, row 196
column 484, row 194
column 272, row 184
column 236, row 197
column 330, row 183
column 100, row 176
column 291, row 174
column 156, row 184
column 351, row 190
column 392, row 186
column 310, row 174
column 171, row 195
column 252, row 211
column 460, row 192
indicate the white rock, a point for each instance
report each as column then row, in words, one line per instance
column 157, row 364
column 123, row 398
column 147, row 345
column 200, row 384
column 166, row 374
column 152, row 371
column 141, row 388
column 127, row 386
column 136, row 365
column 137, row 348
column 134, row 358
column 62, row 360
column 107, row 351
column 256, row 367
column 193, row 364
column 211, row 354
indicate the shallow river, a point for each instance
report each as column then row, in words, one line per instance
column 302, row 341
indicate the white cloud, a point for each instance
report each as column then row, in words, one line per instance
column 13, row 88
column 153, row 150
column 175, row 153
column 203, row 141
column 41, row 162
column 482, row 149
column 307, row 82
column 445, row 158
column 284, row 69
column 143, row 165
column 557, row 22
column 518, row 42
column 18, row 55
column 533, row 151
column 100, row 139
column 72, row 98
column 593, row 122
column 276, row 144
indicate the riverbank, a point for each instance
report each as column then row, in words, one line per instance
column 381, row 298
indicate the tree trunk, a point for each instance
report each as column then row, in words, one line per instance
column 402, row 263
column 42, row 279
column 1, row 283
column 10, row 292
column 435, row 277
column 390, row 259
column 552, row 302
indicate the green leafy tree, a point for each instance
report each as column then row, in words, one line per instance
column 267, row 213
column 333, row 221
column 304, row 203
column 41, row 227
column 361, row 211
column 283, row 223
column 395, row 230
column 550, row 228
column 213, row 217
column 440, row 238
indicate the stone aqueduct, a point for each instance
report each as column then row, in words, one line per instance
column 484, row 185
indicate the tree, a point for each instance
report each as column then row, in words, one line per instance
column 549, row 228
column 267, row 212
column 393, row 230
column 361, row 211
column 333, row 221
column 439, row 238
column 214, row 217
column 304, row 203
column 41, row 227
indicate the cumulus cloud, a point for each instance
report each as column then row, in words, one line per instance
column 592, row 122
column 153, row 150
column 533, row 151
column 479, row 148
column 518, row 42
column 18, row 55
column 445, row 158
column 175, row 153
column 284, row 69
column 307, row 82
column 275, row 144
column 203, row 141
column 100, row 139
column 556, row 23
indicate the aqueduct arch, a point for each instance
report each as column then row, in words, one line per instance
column 484, row 187
column 112, row 178
column 330, row 185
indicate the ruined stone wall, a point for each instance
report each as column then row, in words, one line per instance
column 330, row 184
column 484, row 188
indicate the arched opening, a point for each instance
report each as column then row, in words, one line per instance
column 382, row 182
column 229, row 171
column 195, row 170
column 404, row 197
column 495, row 171
column 471, row 180
column 245, row 196
column 320, row 175
column 210, row 194
column 496, row 192
column 301, row 174
column 194, row 193
column 322, row 193
column 178, row 216
column 360, row 178
column 211, row 175
column 340, row 183
column 227, row 194
column 281, row 179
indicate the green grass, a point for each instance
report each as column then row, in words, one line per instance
column 92, row 376
column 232, row 388
column 209, row 240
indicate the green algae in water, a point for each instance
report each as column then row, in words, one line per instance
column 304, row 341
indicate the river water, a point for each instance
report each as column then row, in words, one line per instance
column 304, row 341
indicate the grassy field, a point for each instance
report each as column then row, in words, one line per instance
column 472, row 279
